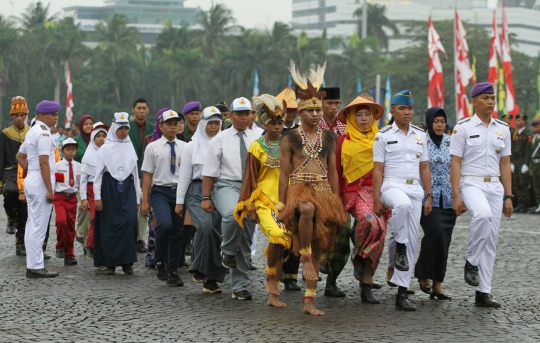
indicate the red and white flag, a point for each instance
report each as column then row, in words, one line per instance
column 69, row 98
column 463, row 72
column 494, row 50
column 506, row 60
column 436, row 84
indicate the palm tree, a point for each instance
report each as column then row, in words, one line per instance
column 377, row 21
column 9, row 59
column 174, row 38
column 186, row 68
column 36, row 16
column 115, row 30
column 216, row 23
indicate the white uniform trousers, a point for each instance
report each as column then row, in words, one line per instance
column 39, row 213
column 485, row 202
column 406, row 203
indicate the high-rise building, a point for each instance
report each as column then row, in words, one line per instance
column 148, row 16
column 336, row 16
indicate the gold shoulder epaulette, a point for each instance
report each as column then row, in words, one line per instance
column 501, row 122
column 386, row 128
column 418, row 128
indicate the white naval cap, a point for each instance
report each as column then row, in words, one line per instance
column 121, row 118
column 211, row 111
column 169, row 115
column 241, row 104
column 69, row 141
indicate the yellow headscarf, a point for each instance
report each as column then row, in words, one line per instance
column 357, row 149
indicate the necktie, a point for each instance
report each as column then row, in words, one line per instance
column 71, row 179
column 243, row 152
column 173, row 157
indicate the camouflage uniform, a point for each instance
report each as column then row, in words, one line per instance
column 521, row 155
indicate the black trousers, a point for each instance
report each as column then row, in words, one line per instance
column 15, row 210
column 438, row 227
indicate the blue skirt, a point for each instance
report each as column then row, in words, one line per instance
column 115, row 230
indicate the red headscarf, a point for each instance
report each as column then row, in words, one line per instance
column 85, row 136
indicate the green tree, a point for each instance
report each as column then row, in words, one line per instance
column 216, row 23
column 377, row 22
column 116, row 31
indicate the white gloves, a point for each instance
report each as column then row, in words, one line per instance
column 524, row 169
column 512, row 167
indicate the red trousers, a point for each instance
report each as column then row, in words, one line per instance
column 91, row 209
column 66, row 212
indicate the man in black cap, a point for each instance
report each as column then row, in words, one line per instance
column 225, row 112
column 521, row 158
column 330, row 106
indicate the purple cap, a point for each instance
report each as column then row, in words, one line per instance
column 192, row 106
column 482, row 88
column 48, row 107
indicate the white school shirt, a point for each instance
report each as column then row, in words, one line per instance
column 157, row 160
column 188, row 172
column 62, row 166
column 480, row 147
column 223, row 160
column 400, row 153
column 98, row 181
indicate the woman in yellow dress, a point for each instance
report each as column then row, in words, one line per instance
column 259, row 194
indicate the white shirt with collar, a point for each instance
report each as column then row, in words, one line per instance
column 480, row 146
column 188, row 172
column 157, row 160
column 400, row 153
column 223, row 160
column 39, row 142
column 63, row 167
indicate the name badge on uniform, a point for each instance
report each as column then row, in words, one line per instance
column 392, row 142
column 475, row 136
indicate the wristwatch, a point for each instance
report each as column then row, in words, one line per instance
column 508, row 196
column 429, row 195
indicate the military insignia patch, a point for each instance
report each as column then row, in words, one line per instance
column 498, row 151
column 242, row 101
column 455, row 131
column 44, row 127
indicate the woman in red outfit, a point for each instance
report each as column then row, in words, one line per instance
column 355, row 152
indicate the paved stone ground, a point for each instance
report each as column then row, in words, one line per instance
column 80, row 306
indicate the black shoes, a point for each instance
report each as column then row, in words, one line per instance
column 291, row 285
column 251, row 265
column 40, row 274
column 242, row 295
column 332, row 290
column 20, row 251
column 70, row 261
column 127, row 269
column 45, row 256
column 228, row 261
column 403, row 303
column 79, row 239
column 358, row 263
column 174, row 280
column 434, row 295
column 60, row 253
column 376, row 285
column 198, row 277
column 485, row 300
column 109, row 271
column 366, row 295
column 10, row 228
column 425, row 288
column 89, row 253
column 211, row 287
column 141, row 247
column 401, row 261
column 161, row 271
column 471, row 274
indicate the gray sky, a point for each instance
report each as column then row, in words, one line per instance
column 249, row 13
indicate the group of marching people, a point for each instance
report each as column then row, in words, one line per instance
column 306, row 184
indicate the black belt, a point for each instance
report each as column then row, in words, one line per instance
column 168, row 187
column 67, row 195
column 196, row 180
column 89, row 183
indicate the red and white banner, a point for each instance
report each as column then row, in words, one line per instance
column 436, row 84
column 494, row 50
column 463, row 72
column 506, row 60
column 69, row 98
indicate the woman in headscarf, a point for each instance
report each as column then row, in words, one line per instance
column 88, row 173
column 116, row 200
column 83, row 140
column 439, row 224
column 150, row 247
column 206, row 267
column 355, row 152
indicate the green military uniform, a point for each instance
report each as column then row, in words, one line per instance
column 521, row 155
column 140, row 140
column 535, row 167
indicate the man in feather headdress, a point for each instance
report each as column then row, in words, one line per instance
column 309, row 206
